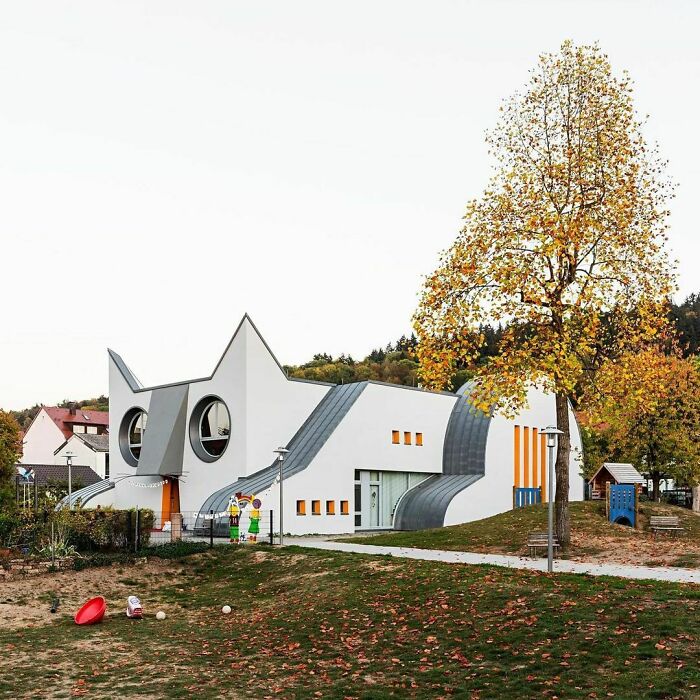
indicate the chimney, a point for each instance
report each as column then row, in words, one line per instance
column 72, row 409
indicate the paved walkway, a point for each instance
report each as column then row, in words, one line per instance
column 658, row 573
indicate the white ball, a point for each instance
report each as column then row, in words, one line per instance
column 226, row 609
column 160, row 615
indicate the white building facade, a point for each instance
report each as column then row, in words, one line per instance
column 360, row 456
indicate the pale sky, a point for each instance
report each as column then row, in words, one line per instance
column 166, row 166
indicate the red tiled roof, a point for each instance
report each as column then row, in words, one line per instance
column 64, row 419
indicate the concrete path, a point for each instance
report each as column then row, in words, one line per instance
column 657, row 573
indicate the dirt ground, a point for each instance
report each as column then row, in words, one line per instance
column 26, row 602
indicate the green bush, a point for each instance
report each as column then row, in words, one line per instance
column 175, row 550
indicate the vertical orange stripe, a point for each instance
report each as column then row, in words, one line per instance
column 535, row 470
column 526, row 456
column 516, row 456
column 543, row 468
column 165, row 501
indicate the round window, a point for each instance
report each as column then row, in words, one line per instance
column 131, row 433
column 210, row 428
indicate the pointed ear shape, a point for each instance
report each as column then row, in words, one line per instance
column 128, row 376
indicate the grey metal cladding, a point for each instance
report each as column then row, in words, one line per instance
column 163, row 446
column 128, row 375
column 303, row 447
column 463, row 463
column 85, row 494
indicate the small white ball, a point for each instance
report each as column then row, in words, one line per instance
column 160, row 615
column 226, row 609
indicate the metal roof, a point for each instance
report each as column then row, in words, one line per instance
column 463, row 463
column 623, row 473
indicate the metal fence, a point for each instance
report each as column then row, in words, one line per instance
column 213, row 528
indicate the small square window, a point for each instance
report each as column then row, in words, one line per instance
column 419, row 439
column 407, row 438
column 395, row 437
column 345, row 508
column 316, row 507
column 330, row 507
column 301, row 507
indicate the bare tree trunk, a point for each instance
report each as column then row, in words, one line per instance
column 696, row 498
column 656, row 489
column 561, row 468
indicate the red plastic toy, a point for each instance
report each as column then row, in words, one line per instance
column 93, row 611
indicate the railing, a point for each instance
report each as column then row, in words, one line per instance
column 213, row 527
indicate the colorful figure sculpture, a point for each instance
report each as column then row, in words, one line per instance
column 254, row 527
column 234, row 519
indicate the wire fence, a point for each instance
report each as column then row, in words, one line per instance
column 214, row 527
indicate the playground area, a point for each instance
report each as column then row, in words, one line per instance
column 420, row 629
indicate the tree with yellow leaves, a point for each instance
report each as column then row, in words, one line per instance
column 649, row 403
column 566, row 245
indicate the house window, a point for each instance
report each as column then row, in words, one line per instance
column 419, row 439
column 301, row 507
column 210, row 428
column 78, row 428
column 92, row 429
column 345, row 507
column 107, row 465
column 407, row 438
column 395, row 437
column 316, row 507
column 330, row 507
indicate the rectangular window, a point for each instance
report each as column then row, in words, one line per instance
column 107, row 465
column 357, row 474
column 316, row 507
column 344, row 508
column 330, row 507
column 301, row 507
column 395, row 437
column 92, row 429
column 419, row 439
column 358, row 520
column 78, row 428
column 407, row 438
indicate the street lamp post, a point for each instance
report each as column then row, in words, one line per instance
column 281, row 452
column 69, row 464
column 551, row 432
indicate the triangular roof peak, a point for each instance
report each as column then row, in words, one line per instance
column 136, row 386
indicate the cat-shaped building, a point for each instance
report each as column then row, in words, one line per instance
column 361, row 456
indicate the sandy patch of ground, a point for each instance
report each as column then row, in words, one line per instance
column 27, row 602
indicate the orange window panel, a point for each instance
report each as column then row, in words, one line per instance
column 535, row 450
column 301, row 507
column 526, row 457
column 345, row 507
column 516, row 456
column 395, row 437
column 316, row 507
column 406, row 438
column 419, row 439
column 330, row 507
column 543, row 467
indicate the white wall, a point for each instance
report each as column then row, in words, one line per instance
column 493, row 493
column 363, row 441
column 41, row 440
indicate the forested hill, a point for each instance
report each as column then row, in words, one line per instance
column 397, row 363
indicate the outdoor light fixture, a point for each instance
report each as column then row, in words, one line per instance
column 69, row 464
column 551, row 432
column 281, row 452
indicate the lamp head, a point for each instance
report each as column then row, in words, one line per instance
column 551, row 432
column 281, row 452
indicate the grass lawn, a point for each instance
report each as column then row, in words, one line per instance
column 593, row 537
column 307, row 623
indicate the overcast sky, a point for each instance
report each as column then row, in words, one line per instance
column 166, row 166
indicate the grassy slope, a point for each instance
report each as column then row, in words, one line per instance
column 317, row 624
column 508, row 531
